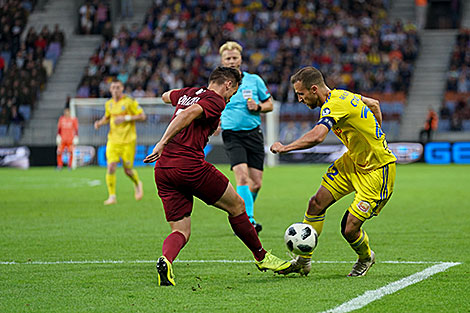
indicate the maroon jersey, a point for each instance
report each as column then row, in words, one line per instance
column 187, row 147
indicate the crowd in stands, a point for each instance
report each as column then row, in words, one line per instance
column 352, row 42
column 93, row 16
column 24, row 64
column 455, row 109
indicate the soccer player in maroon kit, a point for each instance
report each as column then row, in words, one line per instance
column 182, row 173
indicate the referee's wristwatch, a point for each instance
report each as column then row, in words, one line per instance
column 258, row 108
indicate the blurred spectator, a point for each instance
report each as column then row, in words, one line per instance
column 93, row 16
column 138, row 92
column 456, row 122
column 87, row 17
column 289, row 133
column 101, row 17
column 430, row 125
column 107, row 31
column 444, row 111
column 58, row 35
column 16, row 124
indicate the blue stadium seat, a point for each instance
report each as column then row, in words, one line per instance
column 3, row 130
column 444, row 125
column 25, row 110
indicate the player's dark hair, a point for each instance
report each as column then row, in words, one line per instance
column 115, row 80
column 308, row 76
column 221, row 74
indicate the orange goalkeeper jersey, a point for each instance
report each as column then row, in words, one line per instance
column 67, row 128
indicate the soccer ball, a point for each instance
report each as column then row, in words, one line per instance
column 301, row 238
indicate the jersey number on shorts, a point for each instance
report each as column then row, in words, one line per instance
column 334, row 172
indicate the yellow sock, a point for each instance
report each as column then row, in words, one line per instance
column 316, row 221
column 361, row 245
column 134, row 177
column 111, row 183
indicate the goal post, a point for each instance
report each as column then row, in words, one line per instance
column 159, row 114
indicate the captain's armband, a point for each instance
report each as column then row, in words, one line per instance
column 327, row 121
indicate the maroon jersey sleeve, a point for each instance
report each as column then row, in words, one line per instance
column 174, row 95
column 213, row 105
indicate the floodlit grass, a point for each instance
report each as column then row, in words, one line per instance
column 51, row 216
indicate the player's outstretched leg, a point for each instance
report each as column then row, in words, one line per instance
column 243, row 228
column 273, row 263
column 165, row 272
column 361, row 267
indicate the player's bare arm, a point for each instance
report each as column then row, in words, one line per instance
column 166, row 96
column 130, row 118
column 102, row 121
column 181, row 121
column 308, row 140
column 374, row 106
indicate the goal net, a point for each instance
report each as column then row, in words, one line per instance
column 159, row 114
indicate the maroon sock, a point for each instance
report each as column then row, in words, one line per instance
column 243, row 228
column 172, row 245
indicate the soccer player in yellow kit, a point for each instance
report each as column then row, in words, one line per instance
column 121, row 113
column 367, row 168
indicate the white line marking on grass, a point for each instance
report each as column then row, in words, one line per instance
column 372, row 295
column 192, row 261
column 93, row 183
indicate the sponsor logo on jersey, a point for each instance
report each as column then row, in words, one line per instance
column 337, row 131
column 364, row 206
column 187, row 101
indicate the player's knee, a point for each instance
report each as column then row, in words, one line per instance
column 112, row 168
column 128, row 171
column 242, row 180
column 349, row 231
column 256, row 186
column 238, row 207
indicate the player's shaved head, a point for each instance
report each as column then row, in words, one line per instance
column 308, row 76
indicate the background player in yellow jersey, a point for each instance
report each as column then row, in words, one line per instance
column 121, row 113
column 368, row 167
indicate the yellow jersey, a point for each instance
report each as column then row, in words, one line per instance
column 356, row 126
column 125, row 132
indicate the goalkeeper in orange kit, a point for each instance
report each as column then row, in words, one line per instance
column 67, row 137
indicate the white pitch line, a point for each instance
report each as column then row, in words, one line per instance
column 191, row 261
column 372, row 295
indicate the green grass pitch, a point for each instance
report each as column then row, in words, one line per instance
column 48, row 216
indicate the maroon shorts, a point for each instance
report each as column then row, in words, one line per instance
column 177, row 186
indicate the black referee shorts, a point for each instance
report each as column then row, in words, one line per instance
column 245, row 146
